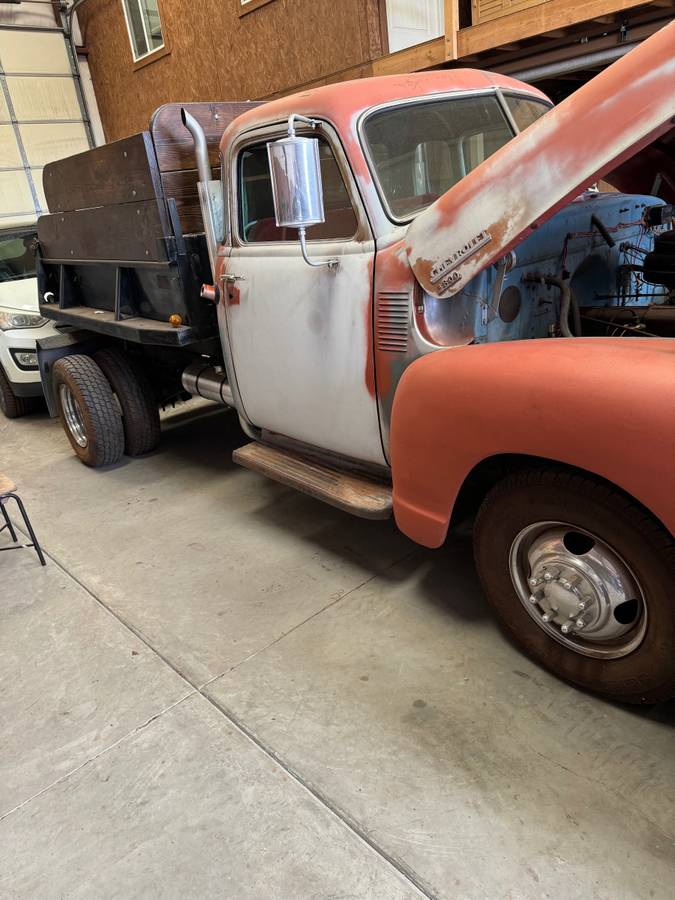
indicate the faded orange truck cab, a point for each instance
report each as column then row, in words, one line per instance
column 419, row 305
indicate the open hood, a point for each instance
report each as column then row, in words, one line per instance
column 593, row 132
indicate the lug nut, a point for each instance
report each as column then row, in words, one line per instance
column 546, row 618
column 534, row 582
column 566, row 628
column 581, row 604
column 580, row 623
column 533, row 599
column 548, row 576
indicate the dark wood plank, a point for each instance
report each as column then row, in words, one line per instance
column 126, row 232
column 173, row 142
column 125, row 171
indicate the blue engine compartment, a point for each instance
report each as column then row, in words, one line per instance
column 570, row 246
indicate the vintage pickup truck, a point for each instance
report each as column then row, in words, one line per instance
column 422, row 310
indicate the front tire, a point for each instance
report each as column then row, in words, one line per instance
column 12, row 406
column 581, row 577
column 88, row 411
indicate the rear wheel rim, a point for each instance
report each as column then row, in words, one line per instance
column 72, row 415
column 578, row 589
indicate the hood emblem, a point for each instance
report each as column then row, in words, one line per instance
column 440, row 270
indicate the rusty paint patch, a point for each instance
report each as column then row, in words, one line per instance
column 233, row 295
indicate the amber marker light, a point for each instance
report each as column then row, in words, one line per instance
column 175, row 320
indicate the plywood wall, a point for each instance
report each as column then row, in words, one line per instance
column 214, row 54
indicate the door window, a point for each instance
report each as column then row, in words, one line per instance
column 256, row 205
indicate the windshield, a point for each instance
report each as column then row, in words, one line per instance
column 17, row 255
column 420, row 150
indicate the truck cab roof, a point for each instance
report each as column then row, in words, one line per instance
column 344, row 102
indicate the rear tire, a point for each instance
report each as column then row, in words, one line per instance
column 140, row 412
column 88, row 411
column 12, row 406
column 533, row 521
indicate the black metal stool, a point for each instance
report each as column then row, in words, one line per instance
column 8, row 492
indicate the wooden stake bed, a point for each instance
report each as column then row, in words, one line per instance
column 354, row 494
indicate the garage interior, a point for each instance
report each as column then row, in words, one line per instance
column 221, row 687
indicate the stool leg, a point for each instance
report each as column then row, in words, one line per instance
column 37, row 547
column 8, row 522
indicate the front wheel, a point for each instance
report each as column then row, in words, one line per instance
column 582, row 578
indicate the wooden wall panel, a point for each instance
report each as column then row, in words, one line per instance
column 214, row 54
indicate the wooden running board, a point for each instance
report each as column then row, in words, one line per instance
column 354, row 494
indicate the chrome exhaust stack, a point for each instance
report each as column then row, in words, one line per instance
column 201, row 146
column 203, row 380
column 211, row 196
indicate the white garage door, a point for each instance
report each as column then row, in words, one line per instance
column 42, row 116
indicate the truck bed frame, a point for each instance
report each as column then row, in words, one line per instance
column 123, row 249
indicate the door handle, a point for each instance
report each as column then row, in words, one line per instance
column 230, row 279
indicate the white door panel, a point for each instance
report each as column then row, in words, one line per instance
column 301, row 345
column 411, row 22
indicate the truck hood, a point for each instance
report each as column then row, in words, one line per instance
column 593, row 132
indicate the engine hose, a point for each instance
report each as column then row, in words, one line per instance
column 567, row 302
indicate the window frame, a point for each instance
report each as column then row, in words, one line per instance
column 156, row 52
column 271, row 132
column 495, row 92
column 244, row 7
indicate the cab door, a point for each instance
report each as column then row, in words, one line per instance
column 301, row 338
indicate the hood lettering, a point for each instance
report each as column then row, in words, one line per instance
column 440, row 269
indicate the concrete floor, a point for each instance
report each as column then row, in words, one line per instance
column 220, row 688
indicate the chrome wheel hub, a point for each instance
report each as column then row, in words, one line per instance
column 578, row 589
column 73, row 415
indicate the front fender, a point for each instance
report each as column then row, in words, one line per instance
column 601, row 404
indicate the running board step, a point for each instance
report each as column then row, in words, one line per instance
column 354, row 494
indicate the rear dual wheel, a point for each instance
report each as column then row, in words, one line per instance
column 581, row 577
column 106, row 407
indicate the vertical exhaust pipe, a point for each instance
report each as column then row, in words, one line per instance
column 201, row 147
column 211, row 198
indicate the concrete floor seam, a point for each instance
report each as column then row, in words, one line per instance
column 405, row 871
column 96, row 756
column 318, row 612
column 402, row 869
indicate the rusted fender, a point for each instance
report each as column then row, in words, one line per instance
column 602, row 404
column 524, row 183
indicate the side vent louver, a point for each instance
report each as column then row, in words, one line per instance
column 391, row 326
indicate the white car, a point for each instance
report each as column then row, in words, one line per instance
column 20, row 324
